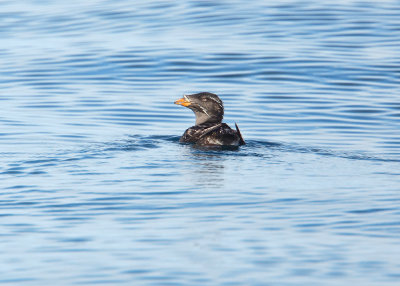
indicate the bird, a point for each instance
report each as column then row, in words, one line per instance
column 209, row 130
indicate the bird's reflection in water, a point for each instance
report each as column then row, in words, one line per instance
column 206, row 168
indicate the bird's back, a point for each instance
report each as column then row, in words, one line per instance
column 212, row 135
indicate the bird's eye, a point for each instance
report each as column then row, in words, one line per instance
column 204, row 99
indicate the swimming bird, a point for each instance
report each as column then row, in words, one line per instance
column 208, row 129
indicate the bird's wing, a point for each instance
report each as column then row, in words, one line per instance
column 241, row 140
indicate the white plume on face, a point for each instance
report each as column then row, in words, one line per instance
column 219, row 102
column 204, row 110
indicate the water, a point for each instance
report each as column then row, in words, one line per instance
column 96, row 188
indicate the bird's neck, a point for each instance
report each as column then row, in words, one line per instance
column 202, row 118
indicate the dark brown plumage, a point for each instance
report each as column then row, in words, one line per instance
column 209, row 129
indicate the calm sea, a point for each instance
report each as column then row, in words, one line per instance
column 96, row 189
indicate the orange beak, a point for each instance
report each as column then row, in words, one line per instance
column 183, row 101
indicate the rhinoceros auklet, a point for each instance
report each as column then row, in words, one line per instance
column 209, row 129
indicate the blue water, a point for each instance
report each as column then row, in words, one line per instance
column 96, row 189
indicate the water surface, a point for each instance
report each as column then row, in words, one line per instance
column 96, row 188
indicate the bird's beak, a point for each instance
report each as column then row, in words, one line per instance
column 183, row 101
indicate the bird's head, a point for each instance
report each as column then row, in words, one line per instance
column 207, row 107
